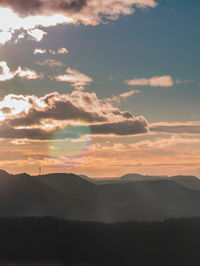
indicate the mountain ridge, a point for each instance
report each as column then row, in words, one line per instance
column 72, row 197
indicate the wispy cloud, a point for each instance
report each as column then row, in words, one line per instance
column 50, row 63
column 177, row 128
column 173, row 141
column 161, row 81
column 117, row 99
column 77, row 79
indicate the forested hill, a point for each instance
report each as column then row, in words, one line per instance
column 47, row 240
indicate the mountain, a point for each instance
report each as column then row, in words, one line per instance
column 24, row 195
column 76, row 195
column 191, row 182
column 148, row 200
column 138, row 177
column 73, row 197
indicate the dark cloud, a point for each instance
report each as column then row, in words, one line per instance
column 6, row 110
column 45, row 115
column 125, row 128
column 176, row 129
column 128, row 127
column 59, row 111
column 35, row 7
column 6, row 131
column 87, row 107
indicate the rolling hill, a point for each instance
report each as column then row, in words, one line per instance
column 73, row 197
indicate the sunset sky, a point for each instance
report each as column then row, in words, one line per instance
column 100, row 87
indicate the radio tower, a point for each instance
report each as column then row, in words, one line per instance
column 40, row 170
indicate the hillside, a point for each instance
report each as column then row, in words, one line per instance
column 73, row 197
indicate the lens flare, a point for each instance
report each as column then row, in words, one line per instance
column 70, row 146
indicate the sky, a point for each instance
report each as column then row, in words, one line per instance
column 100, row 87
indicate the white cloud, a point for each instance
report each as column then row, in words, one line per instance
column 161, row 81
column 37, row 34
column 40, row 51
column 5, row 73
column 5, row 36
column 24, row 73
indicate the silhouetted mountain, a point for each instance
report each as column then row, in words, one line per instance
column 191, row 182
column 138, row 177
column 2, row 172
column 86, row 178
column 148, row 200
column 24, row 195
column 72, row 197
column 76, row 194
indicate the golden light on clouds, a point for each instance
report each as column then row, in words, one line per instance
column 11, row 22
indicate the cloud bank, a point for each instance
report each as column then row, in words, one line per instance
column 177, row 128
column 38, row 118
column 28, row 15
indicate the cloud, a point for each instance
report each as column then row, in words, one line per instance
column 5, row 73
column 38, row 118
column 136, row 126
column 59, row 51
column 40, row 51
column 162, row 81
column 37, row 34
column 176, row 128
column 63, row 51
column 51, row 51
column 29, row 15
column 117, row 99
column 128, row 94
column 75, row 78
column 50, row 63
column 159, row 143
column 5, row 37
column 24, row 73
column 86, row 10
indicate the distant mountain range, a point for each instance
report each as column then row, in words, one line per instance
column 130, row 197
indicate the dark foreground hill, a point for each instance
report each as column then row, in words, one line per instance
column 74, row 197
column 53, row 241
